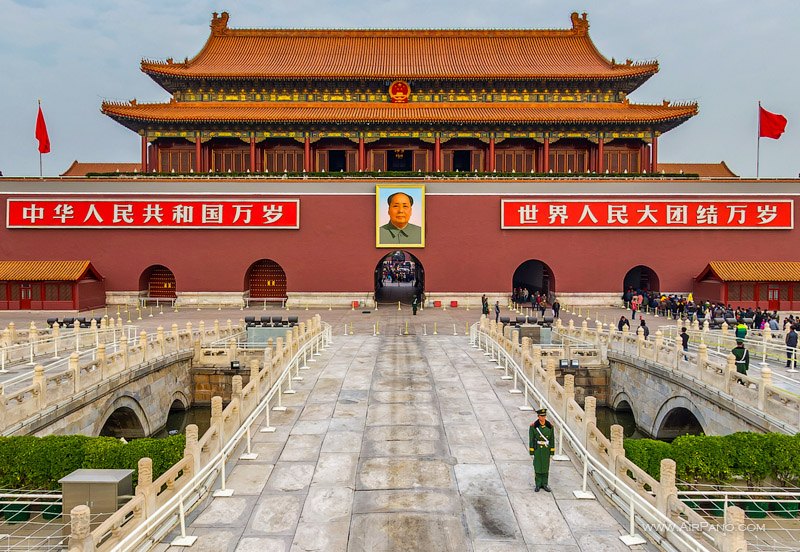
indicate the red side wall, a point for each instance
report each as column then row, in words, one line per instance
column 334, row 250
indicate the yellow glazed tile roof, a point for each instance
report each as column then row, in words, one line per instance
column 756, row 271
column 67, row 271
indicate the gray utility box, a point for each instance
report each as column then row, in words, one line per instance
column 540, row 335
column 103, row 491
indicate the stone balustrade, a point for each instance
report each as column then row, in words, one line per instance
column 661, row 494
column 757, row 392
column 47, row 390
column 199, row 452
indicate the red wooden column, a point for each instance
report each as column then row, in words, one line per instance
column 490, row 161
column 198, row 153
column 362, row 155
column 144, row 153
column 437, row 155
column 155, row 162
column 546, row 155
column 654, row 162
column 252, row 153
column 307, row 154
column 600, row 157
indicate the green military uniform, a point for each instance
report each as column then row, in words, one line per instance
column 541, row 446
column 389, row 233
column 415, row 304
column 742, row 356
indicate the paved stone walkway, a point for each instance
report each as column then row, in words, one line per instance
column 400, row 443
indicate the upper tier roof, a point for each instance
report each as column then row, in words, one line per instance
column 133, row 115
column 399, row 54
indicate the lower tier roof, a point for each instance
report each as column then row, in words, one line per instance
column 195, row 114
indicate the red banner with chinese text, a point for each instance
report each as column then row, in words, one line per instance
column 153, row 213
column 689, row 214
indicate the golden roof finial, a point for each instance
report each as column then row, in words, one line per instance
column 580, row 23
column 219, row 23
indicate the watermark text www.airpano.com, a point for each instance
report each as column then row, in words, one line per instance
column 705, row 526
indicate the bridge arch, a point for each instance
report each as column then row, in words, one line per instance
column 622, row 402
column 180, row 401
column 642, row 278
column 678, row 416
column 124, row 417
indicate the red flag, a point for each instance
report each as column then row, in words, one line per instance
column 770, row 125
column 41, row 133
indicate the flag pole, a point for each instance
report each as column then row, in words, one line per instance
column 40, row 153
column 758, row 141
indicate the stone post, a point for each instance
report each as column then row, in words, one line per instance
column 569, row 395
column 192, row 449
column 617, row 449
column 80, row 535
column 75, row 369
column 279, row 349
column 658, row 344
column 229, row 325
column 232, row 350
column 730, row 372
column 302, row 331
column 589, row 417
column 33, row 333
column 176, row 336
column 160, row 340
column 678, row 352
column 104, row 323
column 190, row 331
column 763, row 387
column 639, row 341
column 143, row 345
column 666, row 488
column 144, row 488
column 123, row 345
column 295, row 340
column 216, row 420
column 201, row 328
column 40, row 384
column 695, row 325
column 237, row 399
column 56, row 330
column 12, row 332
column 598, row 332
column 255, row 378
column 216, row 330
column 289, row 342
column 702, row 357
column 119, row 321
column 551, row 376
column 724, row 329
column 734, row 539
column 102, row 363
column 584, row 329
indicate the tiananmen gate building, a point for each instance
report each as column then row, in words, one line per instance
column 277, row 168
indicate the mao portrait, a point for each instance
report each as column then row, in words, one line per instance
column 400, row 216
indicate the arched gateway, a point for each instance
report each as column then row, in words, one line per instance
column 398, row 277
column 265, row 279
column 535, row 276
column 158, row 281
column 641, row 278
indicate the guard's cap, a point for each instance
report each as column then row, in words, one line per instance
column 739, row 342
column 542, row 412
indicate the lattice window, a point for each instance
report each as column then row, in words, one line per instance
column 65, row 292
column 15, row 292
column 51, row 292
column 784, row 292
column 748, row 292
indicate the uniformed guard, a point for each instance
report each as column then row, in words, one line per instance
column 542, row 445
column 742, row 357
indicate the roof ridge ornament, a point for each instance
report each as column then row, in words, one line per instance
column 580, row 23
column 219, row 23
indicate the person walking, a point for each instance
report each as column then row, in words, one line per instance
column 556, row 308
column 497, row 311
column 741, row 330
column 541, row 437
column 622, row 323
column 484, row 305
column 415, row 304
column 685, row 343
column 791, row 347
column 742, row 357
column 634, row 306
column 645, row 329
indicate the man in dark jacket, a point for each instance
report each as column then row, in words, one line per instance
column 791, row 347
column 645, row 329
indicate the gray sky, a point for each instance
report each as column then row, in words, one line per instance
column 726, row 55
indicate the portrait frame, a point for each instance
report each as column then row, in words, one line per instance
column 384, row 232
